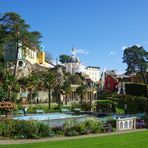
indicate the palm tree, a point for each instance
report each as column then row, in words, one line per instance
column 10, row 85
column 32, row 85
column 49, row 84
column 60, row 81
column 81, row 91
column 67, row 89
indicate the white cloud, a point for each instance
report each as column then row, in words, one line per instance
column 123, row 47
column 112, row 53
column 82, row 51
column 138, row 45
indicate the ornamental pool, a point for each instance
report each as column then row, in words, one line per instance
column 53, row 120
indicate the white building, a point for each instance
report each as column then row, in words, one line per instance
column 74, row 65
column 93, row 73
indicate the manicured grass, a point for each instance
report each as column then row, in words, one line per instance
column 130, row 140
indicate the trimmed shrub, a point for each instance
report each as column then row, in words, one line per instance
column 86, row 106
column 136, row 89
column 134, row 104
column 146, row 120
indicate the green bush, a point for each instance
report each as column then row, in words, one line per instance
column 93, row 125
column 89, row 126
column 24, row 129
column 146, row 120
column 6, row 128
column 71, row 132
column 105, row 106
column 80, row 128
column 32, row 108
column 136, row 89
column 58, row 131
column 75, row 105
column 135, row 104
column 86, row 106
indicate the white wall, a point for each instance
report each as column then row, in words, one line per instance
column 93, row 73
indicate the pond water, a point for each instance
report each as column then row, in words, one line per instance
column 53, row 120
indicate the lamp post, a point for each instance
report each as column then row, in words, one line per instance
column 125, row 107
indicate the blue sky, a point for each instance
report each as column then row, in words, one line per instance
column 99, row 29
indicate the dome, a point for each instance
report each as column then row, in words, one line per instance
column 74, row 59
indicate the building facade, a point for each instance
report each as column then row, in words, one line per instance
column 93, row 73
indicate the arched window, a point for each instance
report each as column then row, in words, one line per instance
column 20, row 63
column 130, row 124
column 121, row 125
column 126, row 124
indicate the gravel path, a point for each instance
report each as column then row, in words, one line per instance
column 22, row 141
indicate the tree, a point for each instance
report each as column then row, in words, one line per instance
column 136, row 59
column 81, row 91
column 76, row 79
column 10, row 86
column 16, row 31
column 67, row 89
column 49, row 84
column 65, row 58
column 48, row 57
column 6, row 107
column 32, row 86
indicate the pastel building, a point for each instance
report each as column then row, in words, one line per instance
column 93, row 73
column 31, row 55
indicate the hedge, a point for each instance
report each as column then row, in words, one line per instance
column 136, row 89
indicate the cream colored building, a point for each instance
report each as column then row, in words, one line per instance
column 25, row 54
column 93, row 73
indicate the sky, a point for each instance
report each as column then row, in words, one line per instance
column 100, row 30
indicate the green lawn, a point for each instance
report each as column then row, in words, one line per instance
column 130, row 140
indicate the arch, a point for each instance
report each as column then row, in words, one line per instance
column 20, row 63
column 125, row 124
column 121, row 125
column 130, row 124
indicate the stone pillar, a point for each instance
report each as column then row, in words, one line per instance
column 117, row 124
column 134, row 123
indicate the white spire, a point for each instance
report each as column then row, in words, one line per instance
column 74, row 51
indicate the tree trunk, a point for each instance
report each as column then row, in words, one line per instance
column 65, row 99
column 16, row 62
column 59, row 100
column 81, row 99
column 30, row 97
column 143, row 77
column 49, row 98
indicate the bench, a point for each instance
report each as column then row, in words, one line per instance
column 40, row 111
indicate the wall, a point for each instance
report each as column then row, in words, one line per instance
column 126, row 123
column 93, row 73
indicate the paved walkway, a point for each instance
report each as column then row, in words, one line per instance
column 22, row 141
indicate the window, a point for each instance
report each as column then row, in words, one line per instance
column 121, row 125
column 130, row 124
column 126, row 124
column 20, row 63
